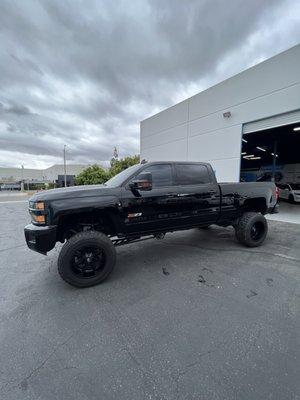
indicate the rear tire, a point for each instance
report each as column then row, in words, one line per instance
column 251, row 229
column 86, row 259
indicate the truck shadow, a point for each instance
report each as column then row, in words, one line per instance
column 175, row 250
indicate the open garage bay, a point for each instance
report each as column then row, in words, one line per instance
column 274, row 154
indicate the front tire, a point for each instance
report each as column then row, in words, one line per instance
column 86, row 259
column 291, row 199
column 251, row 229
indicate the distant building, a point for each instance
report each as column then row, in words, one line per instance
column 11, row 175
column 40, row 176
column 70, row 180
column 51, row 174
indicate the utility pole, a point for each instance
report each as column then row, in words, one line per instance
column 22, row 181
column 274, row 160
column 65, row 165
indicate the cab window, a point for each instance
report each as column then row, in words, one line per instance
column 161, row 175
column 192, row 174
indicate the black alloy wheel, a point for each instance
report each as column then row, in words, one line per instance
column 257, row 231
column 251, row 229
column 86, row 259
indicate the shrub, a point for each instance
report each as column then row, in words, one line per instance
column 95, row 174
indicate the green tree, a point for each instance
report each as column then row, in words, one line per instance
column 92, row 175
column 118, row 166
column 51, row 185
column 95, row 174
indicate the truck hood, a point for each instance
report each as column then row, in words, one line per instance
column 75, row 192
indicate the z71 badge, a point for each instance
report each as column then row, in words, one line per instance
column 134, row 215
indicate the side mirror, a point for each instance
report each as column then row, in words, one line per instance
column 143, row 183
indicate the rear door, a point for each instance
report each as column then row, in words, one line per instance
column 198, row 194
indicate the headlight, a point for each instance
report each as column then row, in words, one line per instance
column 37, row 205
column 37, row 212
column 40, row 205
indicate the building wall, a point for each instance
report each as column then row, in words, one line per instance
column 49, row 174
column 196, row 130
column 52, row 173
column 16, row 174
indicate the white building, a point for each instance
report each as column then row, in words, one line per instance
column 51, row 173
column 18, row 174
column 261, row 103
column 38, row 175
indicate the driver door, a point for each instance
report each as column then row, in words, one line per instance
column 151, row 210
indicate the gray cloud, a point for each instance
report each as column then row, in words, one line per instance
column 17, row 109
column 85, row 73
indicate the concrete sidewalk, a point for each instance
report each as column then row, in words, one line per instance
column 287, row 213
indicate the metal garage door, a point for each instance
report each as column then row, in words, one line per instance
column 272, row 122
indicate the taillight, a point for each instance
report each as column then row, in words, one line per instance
column 277, row 192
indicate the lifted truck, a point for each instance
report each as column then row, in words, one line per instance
column 144, row 201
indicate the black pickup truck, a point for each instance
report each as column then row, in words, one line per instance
column 144, row 201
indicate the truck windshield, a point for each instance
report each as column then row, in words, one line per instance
column 118, row 179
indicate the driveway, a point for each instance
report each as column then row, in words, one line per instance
column 193, row 316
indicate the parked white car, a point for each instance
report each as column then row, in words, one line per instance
column 290, row 191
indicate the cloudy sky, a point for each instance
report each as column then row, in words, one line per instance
column 84, row 73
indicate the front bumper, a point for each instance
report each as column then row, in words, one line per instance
column 40, row 238
column 297, row 198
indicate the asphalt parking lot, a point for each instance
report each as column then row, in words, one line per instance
column 288, row 213
column 194, row 316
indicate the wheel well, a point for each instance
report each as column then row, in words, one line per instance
column 69, row 225
column 258, row 205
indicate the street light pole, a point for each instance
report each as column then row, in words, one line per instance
column 22, row 181
column 65, row 165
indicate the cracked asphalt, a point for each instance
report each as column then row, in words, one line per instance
column 193, row 316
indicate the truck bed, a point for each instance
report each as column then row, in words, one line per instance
column 250, row 189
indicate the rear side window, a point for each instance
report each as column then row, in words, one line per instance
column 192, row 174
column 161, row 175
